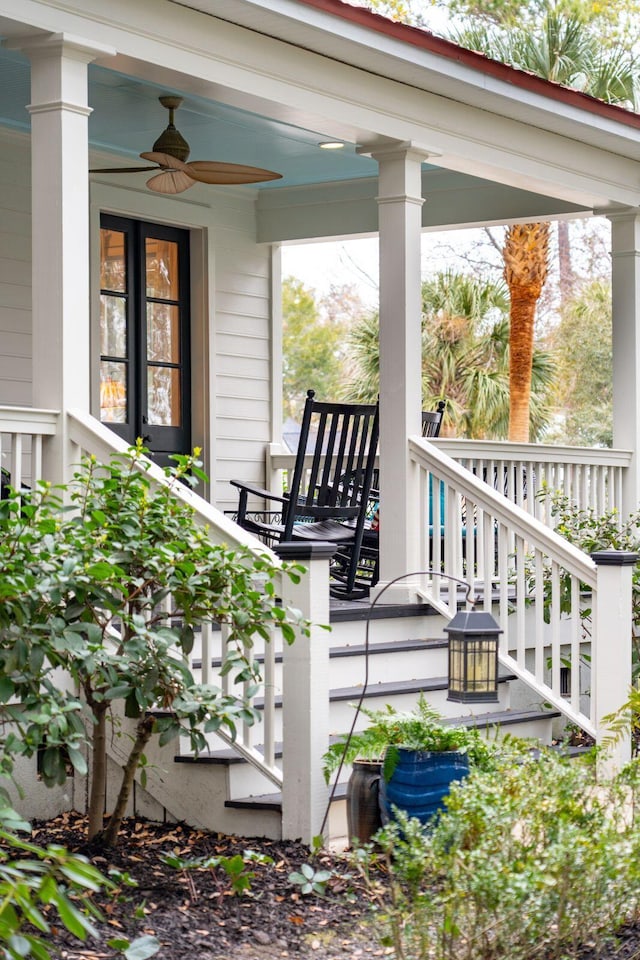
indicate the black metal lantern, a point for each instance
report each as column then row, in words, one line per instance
column 473, row 657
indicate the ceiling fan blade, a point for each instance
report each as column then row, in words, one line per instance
column 170, row 182
column 208, row 171
column 164, row 160
column 122, row 169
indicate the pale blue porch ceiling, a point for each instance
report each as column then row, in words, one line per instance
column 127, row 118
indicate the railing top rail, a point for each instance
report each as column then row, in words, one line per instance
column 533, row 452
column 28, row 420
column 93, row 436
column 281, row 458
column 518, row 520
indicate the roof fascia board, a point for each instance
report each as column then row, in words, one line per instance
column 414, row 56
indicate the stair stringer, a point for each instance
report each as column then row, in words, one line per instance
column 194, row 793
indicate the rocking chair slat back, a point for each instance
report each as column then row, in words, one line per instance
column 342, row 439
column 345, row 444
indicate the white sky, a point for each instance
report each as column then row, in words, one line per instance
column 355, row 262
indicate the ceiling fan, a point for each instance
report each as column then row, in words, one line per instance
column 174, row 174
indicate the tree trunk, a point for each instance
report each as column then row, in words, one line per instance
column 565, row 265
column 98, row 789
column 144, row 731
column 526, row 258
column 523, row 310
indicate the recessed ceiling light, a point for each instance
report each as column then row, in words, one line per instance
column 331, row 145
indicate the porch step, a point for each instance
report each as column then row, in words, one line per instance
column 487, row 722
column 359, row 649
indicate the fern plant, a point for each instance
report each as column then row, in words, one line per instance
column 422, row 730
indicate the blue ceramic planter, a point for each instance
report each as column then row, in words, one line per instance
column 420, row 782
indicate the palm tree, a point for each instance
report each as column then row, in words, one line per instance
column 526, row 261
column 465, row 358
column 565, row 51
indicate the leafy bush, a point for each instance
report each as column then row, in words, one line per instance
column 38, row 883
column 591, row 532
column 235, row 869
column 529, row 859
column 109, row 589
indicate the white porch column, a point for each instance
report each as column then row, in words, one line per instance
column 611, row 679
column 625, row 283
column 60, row 231
column 305, row 695
column 399, row 225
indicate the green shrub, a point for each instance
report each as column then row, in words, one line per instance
column 590, row 532
column 530, row 859
column 109, row 590
column 40, row 884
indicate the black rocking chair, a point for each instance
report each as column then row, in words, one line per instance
column 367, row 563
column 318, row 506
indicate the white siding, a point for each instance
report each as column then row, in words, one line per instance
column 243, row 364
column 15, row 270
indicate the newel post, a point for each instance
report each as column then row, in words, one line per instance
column 305, row 695
column 611, row 652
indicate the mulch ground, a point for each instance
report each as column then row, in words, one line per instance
column 195, row 914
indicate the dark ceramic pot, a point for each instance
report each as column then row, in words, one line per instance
column 363, row 808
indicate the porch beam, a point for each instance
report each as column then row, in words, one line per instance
column 60, row 231
column 399, row 225
column 625, row 300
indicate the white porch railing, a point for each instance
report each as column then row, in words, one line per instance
column 590, row 476
column 506, row 555
column 94, row 438
column 22, row 430
column 21, row 434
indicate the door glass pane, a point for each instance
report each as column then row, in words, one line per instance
column 113, row 326
column 113, row 392
column 113, row 272
column 162, row 268
column 163, row 396
column 163, row 333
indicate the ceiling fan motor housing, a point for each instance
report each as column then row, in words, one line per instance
column 171, row 140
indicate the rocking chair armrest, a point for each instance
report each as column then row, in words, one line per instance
column 258, row 491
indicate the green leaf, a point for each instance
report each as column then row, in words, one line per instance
column 77, row 759
column 6, row 689
column 169, row 734
column 100, row 570
column 83, row 874
column 75, row 922
column 142, row 947
column 19, row 945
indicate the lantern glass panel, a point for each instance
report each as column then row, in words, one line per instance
column 473, row 667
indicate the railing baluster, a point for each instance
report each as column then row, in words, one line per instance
column 16, row 462
column 520, row 600
column 269, row 716
column 503, row 584
column 539, row 614
column 36, row 459
column 576, row 637
column 206, row 651
column 555, row 626
column 225, row 681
